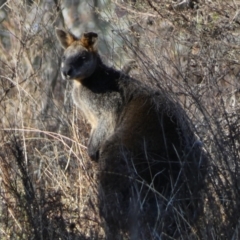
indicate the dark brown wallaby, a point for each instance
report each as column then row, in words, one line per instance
column 150, row 164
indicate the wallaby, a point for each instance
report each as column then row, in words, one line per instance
column 147, row 153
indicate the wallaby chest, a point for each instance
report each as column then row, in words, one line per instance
column 95, row 105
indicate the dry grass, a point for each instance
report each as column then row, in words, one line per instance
column 48, row 187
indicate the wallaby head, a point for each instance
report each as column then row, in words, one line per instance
column 80, row 56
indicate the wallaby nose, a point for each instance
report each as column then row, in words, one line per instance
column 67, row 72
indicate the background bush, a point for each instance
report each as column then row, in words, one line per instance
column 190, row 49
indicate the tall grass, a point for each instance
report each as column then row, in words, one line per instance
column 48, row 185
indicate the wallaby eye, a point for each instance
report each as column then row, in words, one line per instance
column 83, row 55
column 63, row 58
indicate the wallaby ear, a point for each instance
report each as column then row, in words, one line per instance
column 89, row 40
column 65, row 38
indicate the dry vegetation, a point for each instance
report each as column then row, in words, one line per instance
column 188, row 48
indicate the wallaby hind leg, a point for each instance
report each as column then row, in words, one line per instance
column 121, row 191
column 114, row 179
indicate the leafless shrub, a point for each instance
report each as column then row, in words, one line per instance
column 189, row 49
column 47, row 184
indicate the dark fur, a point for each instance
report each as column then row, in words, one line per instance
column 148, row 156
